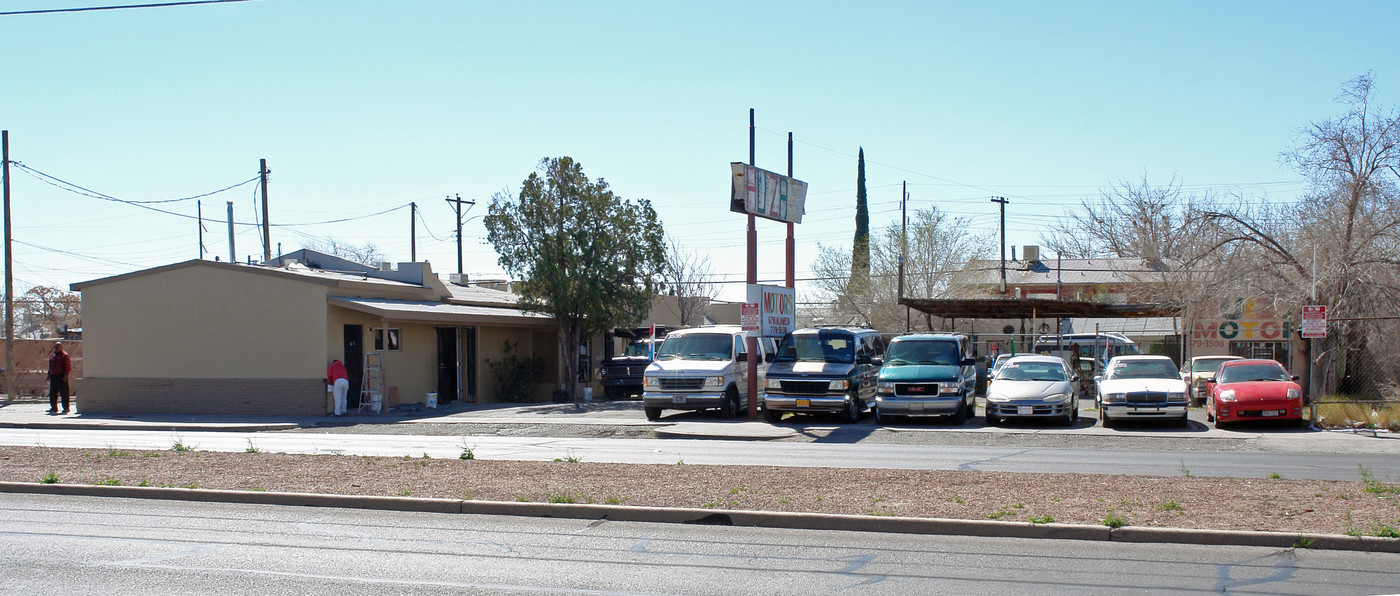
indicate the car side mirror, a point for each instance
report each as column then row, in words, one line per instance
column 742, row 357
column 769, row 357
column 1296, row 377
column 863, row 359
column 1074, row 379
column 1098, row 378
column 878, row 361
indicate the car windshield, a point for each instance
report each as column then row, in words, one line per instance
column 1142, row 369
column 915, row 351
column 637, row 348
column 1207, row 364
column 696, row 346
column 1254, row 372
column 996, row 366
column 816, row 347
column 1031, row 371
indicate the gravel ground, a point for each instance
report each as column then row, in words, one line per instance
column 1181, row 501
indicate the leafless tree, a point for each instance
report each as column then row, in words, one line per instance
column 48, row 310
column 688, row 276
column 938, row 247
column 366, row 254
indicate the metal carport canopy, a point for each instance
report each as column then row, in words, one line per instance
column 1033, row 308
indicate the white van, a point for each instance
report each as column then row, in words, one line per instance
column 702, row 368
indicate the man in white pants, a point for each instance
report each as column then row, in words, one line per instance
column 340, row 385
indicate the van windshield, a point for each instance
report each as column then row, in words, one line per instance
column 637, row 348
column 696, row 346
column 817, row 347
column 923, row 352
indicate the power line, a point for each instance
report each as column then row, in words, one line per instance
column 118, row 7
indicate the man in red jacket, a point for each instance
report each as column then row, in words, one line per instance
column 59, row 367
column 340, row 385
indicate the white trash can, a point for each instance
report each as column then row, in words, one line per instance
column 587, row 394
column 431, row 400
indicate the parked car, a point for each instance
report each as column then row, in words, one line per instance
column 1195, row 372
column 1141, row 388
column 1253, row 390
column 701, row 368
column 824, row 369
column 996, row 366
column 1033, row 386
column 621, row 375
column 927, row 374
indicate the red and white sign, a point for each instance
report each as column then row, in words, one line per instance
column 748, row 316
column 1314, row 322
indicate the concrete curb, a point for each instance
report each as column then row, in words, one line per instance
column 759, row 519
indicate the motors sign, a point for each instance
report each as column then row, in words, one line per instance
column 777, row 309
column 767, row 194
column 1314, row 322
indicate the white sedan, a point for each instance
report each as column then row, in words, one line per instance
column 1141, row 388
column 1033, row 387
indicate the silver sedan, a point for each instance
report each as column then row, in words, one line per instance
column 1033, row 387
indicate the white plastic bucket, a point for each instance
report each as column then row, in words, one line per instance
column 431, row 400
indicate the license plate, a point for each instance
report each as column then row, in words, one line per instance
column 1024, row 410
column 679, row 399
column 1272, row 412
column 804, row 402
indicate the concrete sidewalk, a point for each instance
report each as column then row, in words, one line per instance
column 32, row 414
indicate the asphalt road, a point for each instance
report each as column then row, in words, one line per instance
column 92, row 545
column 1156, row 462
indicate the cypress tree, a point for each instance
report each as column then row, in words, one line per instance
column 860, row 250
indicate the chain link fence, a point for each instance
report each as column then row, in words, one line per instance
column 1355, row 374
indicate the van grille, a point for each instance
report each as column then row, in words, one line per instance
column 682, row 384
column 809, row 387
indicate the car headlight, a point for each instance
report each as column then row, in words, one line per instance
column 1294, row 393
column 651, row 382
column 1227, row 395
column 949, row 388
column 1056, row 397
column 996, row 397
column 1181, row 396
column 1114, row 397
column 885, row 386
column 603, row 372
column 771, row 383
column 840, row 384
column 714, row 381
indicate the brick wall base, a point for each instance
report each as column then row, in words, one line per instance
column 257, row 397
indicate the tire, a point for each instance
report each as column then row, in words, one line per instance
column 1104, row 419
column 851, row 414
column 991, row 420
column 652, row 413
column 730, row 407
column 960, row 417
column 881, row 418
column 772, row 416
column 1209, row 416
column 1074, row 412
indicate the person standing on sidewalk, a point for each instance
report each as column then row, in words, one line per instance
column 340, row 385
column 59, row 367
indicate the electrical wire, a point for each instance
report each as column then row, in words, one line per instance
column 118, row 7
column 79, row 190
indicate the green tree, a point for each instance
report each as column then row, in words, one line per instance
column 584, row 255
column 860, row 249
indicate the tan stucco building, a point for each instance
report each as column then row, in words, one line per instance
column 212, row 337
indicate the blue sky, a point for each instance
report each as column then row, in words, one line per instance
column 362, row 107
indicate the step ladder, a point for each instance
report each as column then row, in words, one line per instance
column 372, row 383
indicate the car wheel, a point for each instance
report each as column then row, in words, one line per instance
column 991, row 420
column 652, row 413
column 1074, row 412
column 851, row 413
column 960, row 417
column 1104, row 419
column 730, row 407
column 881, row 417
column 772, row 416
column 1209, row 416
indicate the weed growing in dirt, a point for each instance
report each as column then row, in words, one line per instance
column 1113, row 520
column 567, row 497
column 570, row 458
column 998, row 514
column 612, row 500
column 467, row 452
column 50, row 478
column 179, row 446
column 1170, row 506
column 109, row 481
column 404, row 492
column 250, row 448
column 1303, row 542
column 1044, row 519
column 1377, row 487
column 1275, row 476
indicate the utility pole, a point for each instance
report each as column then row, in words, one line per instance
column 904, row 248
column 267, row 225
column 9, row 276
column 413, row 232
column 1003, row 202
column 457, row 204
column 199, row 215
column 232, row 256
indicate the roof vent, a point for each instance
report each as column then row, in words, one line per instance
column 457, row 278
column 386, row 266
column 1031, row 253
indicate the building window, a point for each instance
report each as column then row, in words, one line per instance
column 393, row 339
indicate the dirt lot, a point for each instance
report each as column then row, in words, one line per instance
column 1285, row 505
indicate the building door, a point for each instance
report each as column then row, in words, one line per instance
column 467, row 337
column 354, row 362
column 447, row 368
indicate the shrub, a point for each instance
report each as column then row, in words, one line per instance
column 515, row 376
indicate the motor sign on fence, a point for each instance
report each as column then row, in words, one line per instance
column 777, row 308
column 748, row 316
column 1314, row 322
column 767, row 194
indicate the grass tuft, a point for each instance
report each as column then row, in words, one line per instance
column 1113, row 520
column 50, row 478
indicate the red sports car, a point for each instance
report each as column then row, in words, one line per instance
column 1253, row 390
